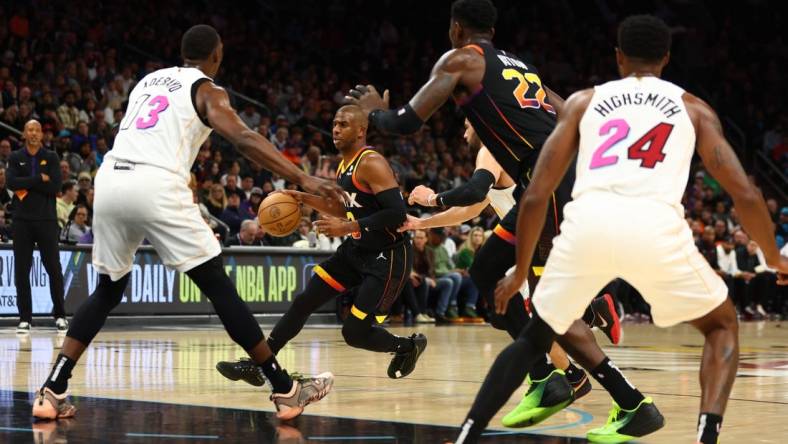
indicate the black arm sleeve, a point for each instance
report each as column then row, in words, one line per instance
column 401, row 121
column 391, row 215
column 469, row 193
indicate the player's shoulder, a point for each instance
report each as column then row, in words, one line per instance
column 698, row 110
column 578, row 101
column 458, row 59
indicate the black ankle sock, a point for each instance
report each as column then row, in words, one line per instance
column 574, row 374
column 709, row 425
column 611, row 378
column 403, row 344
column 541, row 369
column 57, row 381
column 280, row 380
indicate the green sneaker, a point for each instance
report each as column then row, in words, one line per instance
column 626, row 425
column 543, row 399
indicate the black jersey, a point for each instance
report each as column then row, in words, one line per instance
column 509, row 111
column 362, row 203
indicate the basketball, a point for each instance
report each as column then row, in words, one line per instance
column 279, row 214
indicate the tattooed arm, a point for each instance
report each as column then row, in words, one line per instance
column 720, row 160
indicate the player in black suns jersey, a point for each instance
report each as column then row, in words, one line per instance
column 375, row 260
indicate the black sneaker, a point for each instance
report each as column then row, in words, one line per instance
column 579, row 382
column 627, row 425
column 243, row 369
column 403, row 364
column 606, row 318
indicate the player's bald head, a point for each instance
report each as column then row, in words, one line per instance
column 355, row 114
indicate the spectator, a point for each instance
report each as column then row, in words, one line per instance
column 6, row 195
column 422, row 276
column 232, row 215
column 65, row 171
column 5, row 151
column 66, row 202
column 68, row 113
column 720, row 230
column 250, row 116
column 247, row 183
column 448, row 281
column 708, row 248
column 84, row 183
column 249, row 207
column 465, row 256
column 77, row 225
column 247, row 236
column 231, row 187
column 216, row 201
column 781, row 228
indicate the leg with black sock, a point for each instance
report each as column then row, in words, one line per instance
column 315, row 295
column 718, row 368
column 580, row 343
column 505, row 375
column 211, row 279
column 85, row 325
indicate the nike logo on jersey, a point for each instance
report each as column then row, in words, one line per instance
column 381, row 256
column 350, row 202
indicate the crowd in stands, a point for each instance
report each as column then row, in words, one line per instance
column 73, row 68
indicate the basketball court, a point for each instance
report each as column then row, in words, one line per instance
column 158, row 384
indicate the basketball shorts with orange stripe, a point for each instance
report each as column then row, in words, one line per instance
column 379, row 275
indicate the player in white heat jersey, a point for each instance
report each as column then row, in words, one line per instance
column 636, row 137
column 142, row 192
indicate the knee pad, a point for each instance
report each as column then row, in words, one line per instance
column 355, row 331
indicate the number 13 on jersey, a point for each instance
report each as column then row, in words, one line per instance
column 154, row 106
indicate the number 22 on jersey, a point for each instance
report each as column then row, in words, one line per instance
column 154, row 107
column 649, row 155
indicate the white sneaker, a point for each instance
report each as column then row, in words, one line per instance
column 422, row 318
column 23, row 328
column 61, row 324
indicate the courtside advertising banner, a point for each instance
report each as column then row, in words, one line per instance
column 267, row 279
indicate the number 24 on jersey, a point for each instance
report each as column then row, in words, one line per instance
column 648, row 148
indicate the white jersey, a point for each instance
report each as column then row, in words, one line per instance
column 161, row 127
column 502, row 200
column 636, row 140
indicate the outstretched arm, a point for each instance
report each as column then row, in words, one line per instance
column 721, row 162
column 556, row 156
column 446, row 75
column 452, row 216
column 214, row 104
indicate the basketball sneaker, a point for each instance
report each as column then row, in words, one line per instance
column 626, row 425
column 23, row 328
column 61, row 324
column 403, row 364
column 580, row 383
column 243, row 369
column 49, row 405
column 305, row 391
column 543, row 399
column 606, row 318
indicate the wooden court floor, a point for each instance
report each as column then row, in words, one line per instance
column 175, row 365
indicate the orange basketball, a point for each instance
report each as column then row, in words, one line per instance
column 279, row 214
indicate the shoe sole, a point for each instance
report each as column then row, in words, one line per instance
column 542, row 414
column 229, row 374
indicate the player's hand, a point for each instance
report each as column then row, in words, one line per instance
column 324, row 188
column 367, row 98
column 420, row 195
column 333, row 226
column 782, row 270
column 297, row 195
column 506, row 288
column 411, row 223
column 44, row 177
